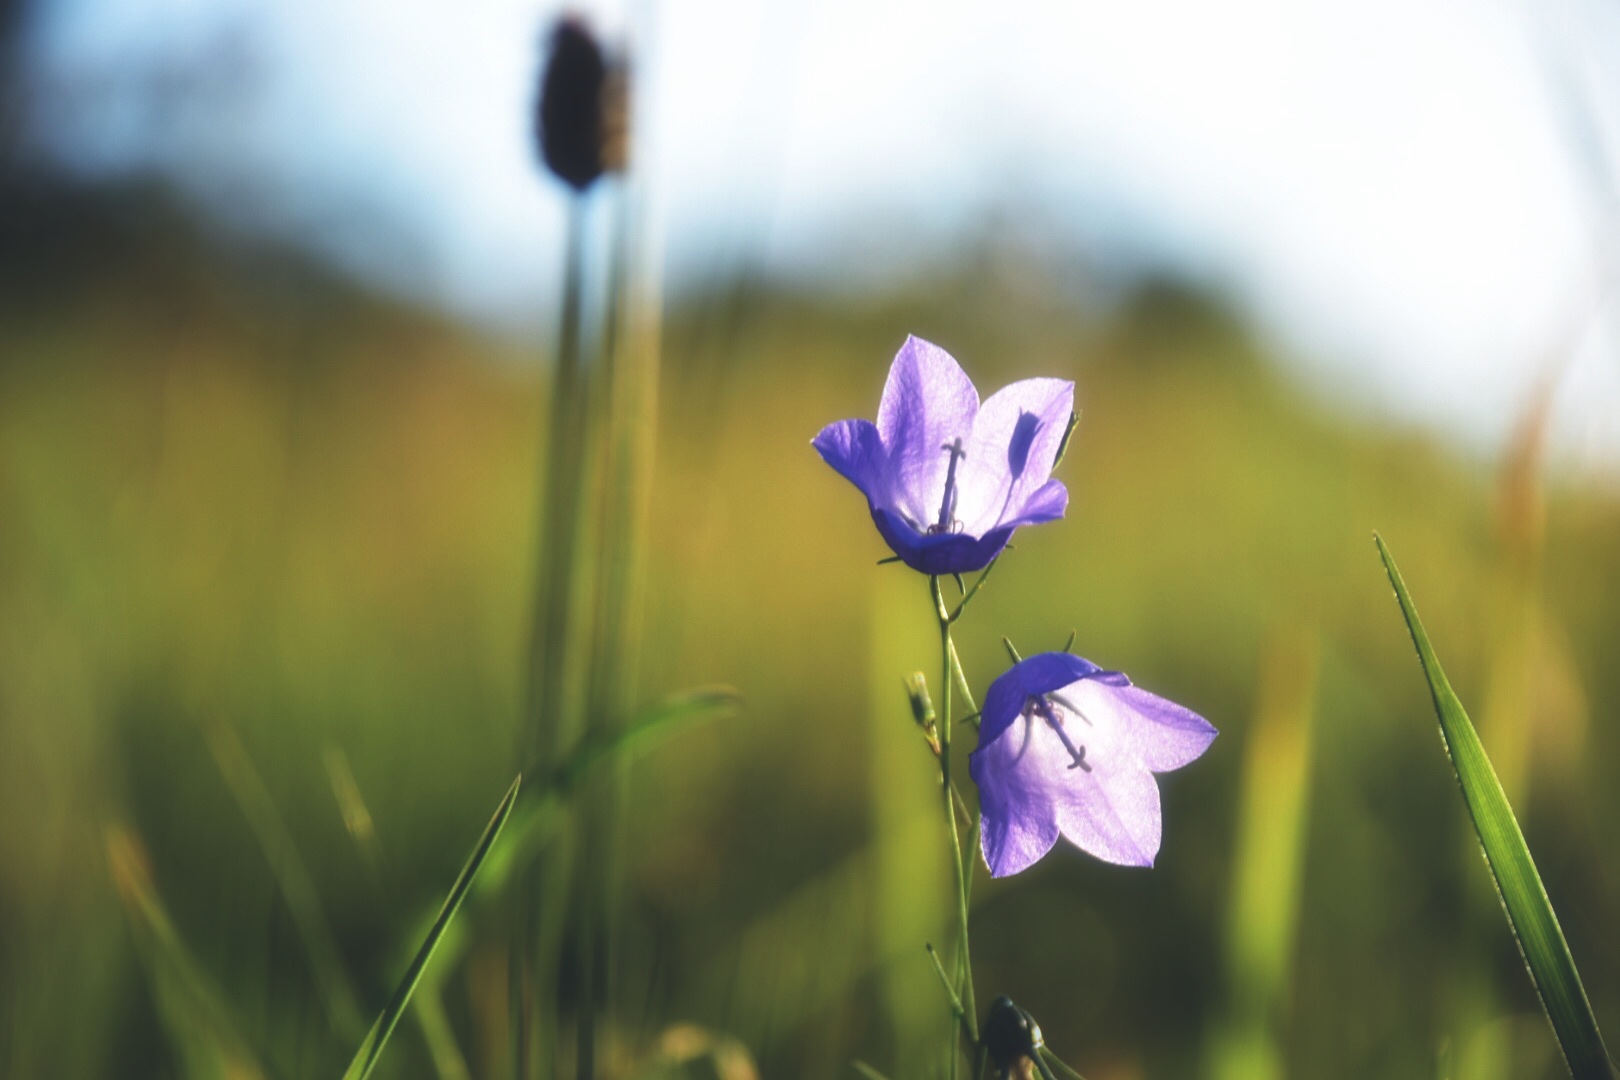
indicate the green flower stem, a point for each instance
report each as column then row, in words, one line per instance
column 950, row 991
column 948, row 654
column 961, row 680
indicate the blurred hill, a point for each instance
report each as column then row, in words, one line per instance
column 236, row 489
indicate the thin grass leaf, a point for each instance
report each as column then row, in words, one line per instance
column 867, row 1071
column 427, row 1005
column 699, row 704
column 193, row 1009
column 536, row 821
column 366, row 1057
column 357, row 821
column 291, row 875
column 1524, row 898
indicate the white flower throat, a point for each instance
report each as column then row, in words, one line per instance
column 1042, row 707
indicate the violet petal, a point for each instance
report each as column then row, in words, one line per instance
column 1067, row 746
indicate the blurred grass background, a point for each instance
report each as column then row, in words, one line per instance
column 245, row 503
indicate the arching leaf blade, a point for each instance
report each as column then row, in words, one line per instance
column 1524, row 898
column 366, row 1057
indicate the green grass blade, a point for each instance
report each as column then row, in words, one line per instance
column 193, row 1010
column 705, row 702
column 366, row 1057
column 536, row 822
column 291, row 875
column 1529, row 912
column 427, row 1004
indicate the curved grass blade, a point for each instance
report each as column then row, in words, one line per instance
column 366, row 1057
column 536, row 822
column 701, row 703
column 1530, row 913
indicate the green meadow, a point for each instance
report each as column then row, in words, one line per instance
column 266, row 560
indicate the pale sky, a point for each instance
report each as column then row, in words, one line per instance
column 1396, row 189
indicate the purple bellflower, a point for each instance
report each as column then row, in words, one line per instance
column 947, row 479
column 1066, row 747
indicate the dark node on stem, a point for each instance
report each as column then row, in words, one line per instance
column 581, row 123
column 1010, row 1034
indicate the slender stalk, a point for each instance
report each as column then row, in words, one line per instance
column 550, row 714
column 944, row 980
column 626, row 404
column 947, row 654
column 547, row 728
column 961, row 682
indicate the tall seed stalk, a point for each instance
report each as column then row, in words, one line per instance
column 585, row 630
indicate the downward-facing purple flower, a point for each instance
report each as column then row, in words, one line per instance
column 1066, row 747
column 947, row 479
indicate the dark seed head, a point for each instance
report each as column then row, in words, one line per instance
column 569, row 120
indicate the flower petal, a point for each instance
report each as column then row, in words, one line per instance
column 1049, row 503
column 855, row 449
column 928, row 402
column 1084, row 766
column 1030, row 677
column 1166, row 736
column 1118, row 819
column 1031, row 788
column 939, row 553
column 1015, row 441
column 1019, row 824
column 1111, row 807
column 1129, row 734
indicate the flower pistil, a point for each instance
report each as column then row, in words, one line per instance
column 1054, row 719
column 947, row 506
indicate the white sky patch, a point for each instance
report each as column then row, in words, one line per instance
column 1386, row 184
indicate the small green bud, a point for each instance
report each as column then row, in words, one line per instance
column 922, row 708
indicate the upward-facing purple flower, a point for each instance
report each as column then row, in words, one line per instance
column 1066, row 747
column 947, row 479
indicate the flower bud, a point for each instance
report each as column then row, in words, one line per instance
column 922, row 708
column 1011, row 1036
